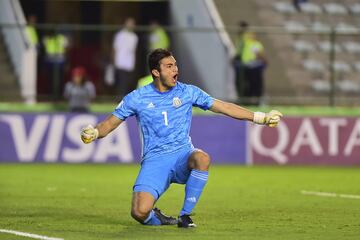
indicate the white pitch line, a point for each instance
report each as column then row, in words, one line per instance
column 329, row 194
column 30, row 235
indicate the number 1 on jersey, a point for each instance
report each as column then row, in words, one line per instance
column 165, row 118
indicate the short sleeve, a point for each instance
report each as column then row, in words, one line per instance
column 200, row 98
column 126, row 107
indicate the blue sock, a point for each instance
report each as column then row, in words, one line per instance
column 152, row 219
column 194, row 187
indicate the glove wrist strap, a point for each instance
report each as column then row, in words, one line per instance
column 259, row 117
column 96, row 133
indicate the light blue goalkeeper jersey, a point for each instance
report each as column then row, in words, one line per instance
column 164, row 117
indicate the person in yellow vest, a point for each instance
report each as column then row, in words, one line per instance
column 55, row 46
column 158, row 37
column 31, row 31
column 239, row 70
column 146, row 80
column 254, row 62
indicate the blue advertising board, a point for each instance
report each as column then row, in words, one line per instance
column 30, row 137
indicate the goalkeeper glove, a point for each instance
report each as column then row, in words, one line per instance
column 270, row 119
column 89, row 134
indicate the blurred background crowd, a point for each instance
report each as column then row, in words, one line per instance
column 250, row 52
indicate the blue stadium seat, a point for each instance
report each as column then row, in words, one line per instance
column 348, row 86
column 355, row 9
column 295, row 27
column 284, row 7
column 335, row 9
column 341, row 67
column 320, row 85
column 325, row 46
column 304, row 47
column 320, row 27
column 352, row 47
column 313, row 65
column 346, row 28
column 310, row 8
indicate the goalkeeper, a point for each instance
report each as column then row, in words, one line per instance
column 163, row 110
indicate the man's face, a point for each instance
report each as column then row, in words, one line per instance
column 168, row 72
column 130, row 24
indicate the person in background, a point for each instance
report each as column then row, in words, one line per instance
column 239, row 70
column 31, row 31
column 253, row 62
column 55, row 45
column 124, row 53
column 79, row 91
column 146, row 80
column 297, row 4
column 158, row 37
column 33, row 37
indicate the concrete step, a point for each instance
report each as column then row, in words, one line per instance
column 3, row 57
column 10, row 96
column 5, row 67
column 9, row 86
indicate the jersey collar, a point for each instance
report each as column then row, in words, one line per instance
column 156, row 90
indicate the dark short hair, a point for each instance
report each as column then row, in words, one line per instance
column 155, row 57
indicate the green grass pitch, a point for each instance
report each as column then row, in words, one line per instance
column 92, row 201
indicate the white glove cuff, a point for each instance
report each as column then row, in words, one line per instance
column 259, row 117
column 96, row 133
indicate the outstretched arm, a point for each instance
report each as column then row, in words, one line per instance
column 232, row 110
column 90, row 134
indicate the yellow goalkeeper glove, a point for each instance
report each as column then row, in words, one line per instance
column 89, row 134
column 270, row 119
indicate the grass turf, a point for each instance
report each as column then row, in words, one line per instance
column 93, row 202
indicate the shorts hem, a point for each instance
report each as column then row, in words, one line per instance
column 148, row 189
column 186, row 146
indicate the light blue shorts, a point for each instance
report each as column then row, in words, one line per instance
column 157, row 173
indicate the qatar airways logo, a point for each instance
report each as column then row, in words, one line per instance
column 308, row 141
column 53, row 138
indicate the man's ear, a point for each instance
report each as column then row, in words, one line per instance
column 156, row 73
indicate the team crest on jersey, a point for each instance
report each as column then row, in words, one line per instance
column 176, row 102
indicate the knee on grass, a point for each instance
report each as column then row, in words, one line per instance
column 140, row 214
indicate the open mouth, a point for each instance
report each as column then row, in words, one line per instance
column 175, row 77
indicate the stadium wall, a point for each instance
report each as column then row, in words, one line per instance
column 49, row 138
column 201, row 51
